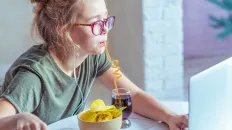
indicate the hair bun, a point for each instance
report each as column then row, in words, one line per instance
column 33, row 1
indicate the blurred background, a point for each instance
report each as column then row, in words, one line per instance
column 160, row 44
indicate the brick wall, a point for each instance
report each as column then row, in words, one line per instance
column 163, row 48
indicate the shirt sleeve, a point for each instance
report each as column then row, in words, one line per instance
column 24, row 91
column 104, row 63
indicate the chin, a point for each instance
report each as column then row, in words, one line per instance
column 98, row 51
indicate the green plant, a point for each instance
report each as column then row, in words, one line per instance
column 223, row 22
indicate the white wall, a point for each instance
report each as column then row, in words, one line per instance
column 163, row 48
column 15, row 21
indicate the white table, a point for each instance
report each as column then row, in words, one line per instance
column 137, row 122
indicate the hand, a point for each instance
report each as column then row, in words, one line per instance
column 177, row 122
column 28, row 121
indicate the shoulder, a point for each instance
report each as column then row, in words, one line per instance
column 21, row 77
column 34, row 59
column 35, row 55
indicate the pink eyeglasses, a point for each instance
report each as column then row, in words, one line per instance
column 98, row 26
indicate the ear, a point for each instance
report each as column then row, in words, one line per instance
column 61, row 31
column 67, row 34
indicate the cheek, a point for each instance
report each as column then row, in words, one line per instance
column 75, row 35
column 87, row 39
column 84, row 38
column 88, row 43
column 78, row 36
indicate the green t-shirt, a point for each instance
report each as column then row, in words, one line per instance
column 35, row 84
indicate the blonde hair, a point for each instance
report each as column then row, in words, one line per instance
column 52, row 21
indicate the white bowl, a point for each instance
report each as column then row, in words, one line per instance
column 114, row 124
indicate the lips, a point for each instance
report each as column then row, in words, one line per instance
column 103, row 43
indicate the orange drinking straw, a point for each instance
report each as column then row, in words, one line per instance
column 116, row 72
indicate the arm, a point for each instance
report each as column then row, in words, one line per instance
column 8, row 123
column 9, row 120
column 143, row 103
column 15, row 103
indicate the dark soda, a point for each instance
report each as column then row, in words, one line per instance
column 123, row 101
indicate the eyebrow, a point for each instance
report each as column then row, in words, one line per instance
column 97, row 16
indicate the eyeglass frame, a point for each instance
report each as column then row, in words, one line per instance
column 92, row 24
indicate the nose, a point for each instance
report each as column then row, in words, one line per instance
column 104, row 30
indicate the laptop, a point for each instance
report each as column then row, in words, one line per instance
column 210, row 98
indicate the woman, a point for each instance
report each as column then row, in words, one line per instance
column 51, row 81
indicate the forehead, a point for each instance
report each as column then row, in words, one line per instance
column 92, row 8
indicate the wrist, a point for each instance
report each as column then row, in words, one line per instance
column 168, row 117
column 14, row 121
column 8, row 123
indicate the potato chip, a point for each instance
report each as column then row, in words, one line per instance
column 97, row 105
column 88, row 116
column 116, row 113
column 99, row 112
column 103, row 116
column 110, row 108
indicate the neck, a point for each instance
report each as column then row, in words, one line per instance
column 67, row 65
